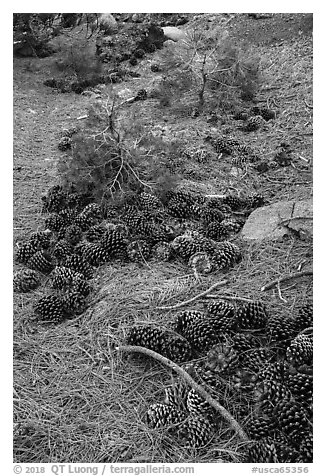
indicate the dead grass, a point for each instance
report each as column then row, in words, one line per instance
column 75, row 398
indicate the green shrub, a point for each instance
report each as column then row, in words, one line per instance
column 204, row 66
column 113, row 156
column 79, row 60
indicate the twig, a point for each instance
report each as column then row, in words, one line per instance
column 307, row 331
column 199, row 389
column 279, row 293
column 309, row 106
column 286, row 278
column 184, row 303
column 225, row 296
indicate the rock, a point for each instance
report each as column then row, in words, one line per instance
column 173, row 33
column 279, row 219
column 107, row 23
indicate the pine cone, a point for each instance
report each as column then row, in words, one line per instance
column 62, row 250
column 304, row 318
column 260, row 427
column 197, row 405
column 95, row 254
column 195, row 432
column 81, row 286
column 92, row 210
column 114, row 243
column 220, row 309
column 26, row 251
column 73, row 234
column 41, row 239
column 201, row 263
column 254, row 360
column 176, row 395
column 54, row 222
column 77, row 263
column 244, row 342
column 138, row 251
column 280, row 330
column 300, row 350
column 292, row 419
column 64, row 277
column 185, row 318
column 95, row 233
column 262, row 451
column 268, row 394
column 226, row 255
column 172, row 346
column 224, row 145
column 222, row 358
column 68, row 215
column 274, row 371
column 301, row 387
column 252, row 315
column 160, row 415
column 162, row 251
column 25, row 280
column 50, row 308
column 306, row 448
column 149, row 202
column 217, row 231
column 55, row 200
column 234, row 202
column 64, row 144
column 41, row 261
column 253, row 124
column 201, row 335
column 74, row 303
column 85, row 222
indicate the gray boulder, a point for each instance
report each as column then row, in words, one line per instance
column 279, row 219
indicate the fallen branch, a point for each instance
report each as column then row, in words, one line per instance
column 225, row 296
column 184, row 303
column 199, row 389
column 286, row 278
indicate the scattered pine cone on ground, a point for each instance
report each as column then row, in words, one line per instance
column 252, row 315
column 226, row 255
column 26, row 280
column 138, row 251
column 304, row 317
column 25, row 251
column 300, row 350
column 50, row 308
column 168, row 344
column 196, row 432
column 41, row 261
column 161, row 415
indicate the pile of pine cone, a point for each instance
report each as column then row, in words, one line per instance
column 80, row 235
column 257, row 365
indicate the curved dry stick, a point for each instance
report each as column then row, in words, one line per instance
column 199, row 389
column 286, row 278
column 184, row 303
column 230, row 298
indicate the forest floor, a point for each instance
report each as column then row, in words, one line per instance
column 75, row 398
